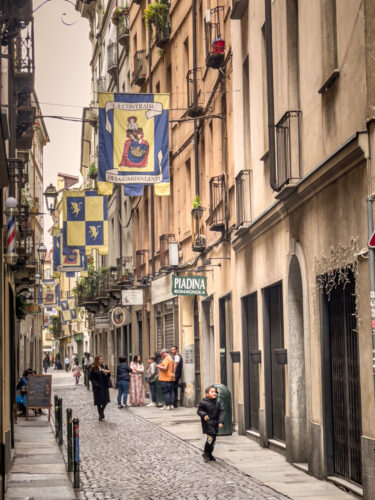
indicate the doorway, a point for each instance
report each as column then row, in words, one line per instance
column 274, row 370
column 341, row 382
column 208, row 342
column 226, row 342
column 251, row 357
column 197, row 355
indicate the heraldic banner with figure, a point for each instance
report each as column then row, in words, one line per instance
column 85, row 222
column 133, row 138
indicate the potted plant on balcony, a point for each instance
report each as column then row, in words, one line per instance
column 93, row 171
column 156, row 15
column 119, row 13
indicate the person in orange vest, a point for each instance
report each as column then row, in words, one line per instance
column 166, row 379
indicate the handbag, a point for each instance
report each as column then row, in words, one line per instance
column 110, row 385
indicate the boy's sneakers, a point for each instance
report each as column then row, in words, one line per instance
column 120, row 407
column 151, row 404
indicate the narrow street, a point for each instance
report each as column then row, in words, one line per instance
column 127, row 455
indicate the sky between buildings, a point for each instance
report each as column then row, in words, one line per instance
column 62, row 84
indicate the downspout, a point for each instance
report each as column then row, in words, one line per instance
column 152, row 206
column 270, row 96
column 195, row 96
column 371, row 263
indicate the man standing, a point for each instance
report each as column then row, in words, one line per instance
column 67, row 363
column 178, row 364
column 166, row 379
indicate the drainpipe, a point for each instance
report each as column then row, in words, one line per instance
column 152, row 209
column 195, row 95
column 371, row 262
column 270, row 96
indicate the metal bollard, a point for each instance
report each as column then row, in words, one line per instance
column 76, row 479
column 60, row 421
column 69, row 438
column 56, row 401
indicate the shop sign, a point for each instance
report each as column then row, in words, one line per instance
column 132, row 297
column 102, row 322
column 189, row 285
column 161, row 289
column 118, row 316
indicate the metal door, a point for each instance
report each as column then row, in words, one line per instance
column 169, row 331
column 118, row 343
column 346, row 402
column 251, row 360
column 159, row 333
column 274, row 372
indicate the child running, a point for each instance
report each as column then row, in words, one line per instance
column 212, row 416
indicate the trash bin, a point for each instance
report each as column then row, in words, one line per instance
column 158, row 392
column 225, row 398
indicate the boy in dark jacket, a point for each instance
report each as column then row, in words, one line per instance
column 212, row 416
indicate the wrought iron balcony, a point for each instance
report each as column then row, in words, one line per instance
column 141, row 263
column 215, row 45
column 123, row 33
column 218, row 203
column 165, row 239
column 24, row 68
column 101, row 84
column 162, row 36
column 288, row 150
column 124, row 274
column 194, row 93
column 140, row 72
column 198, row 239
column 112, row 58
column 243, row 197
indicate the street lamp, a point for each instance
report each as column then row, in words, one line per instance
column 42, row 251
column 50, row 195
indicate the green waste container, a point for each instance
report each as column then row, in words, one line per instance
column 158, row 392
column 225, row 398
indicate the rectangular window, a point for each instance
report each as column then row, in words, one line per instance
column 329, row 44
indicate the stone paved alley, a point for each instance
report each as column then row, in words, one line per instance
column 128, row 455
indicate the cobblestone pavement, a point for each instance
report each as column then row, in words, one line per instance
column 127, row 455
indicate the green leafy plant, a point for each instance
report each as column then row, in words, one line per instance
column 196, row 202
column 93, row 171
column 20, row 307
column 55, row 329
column 156, row 14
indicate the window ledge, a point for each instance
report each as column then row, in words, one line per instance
column 327, row 84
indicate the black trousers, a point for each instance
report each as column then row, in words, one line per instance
column 210, row 444
column 101, row 409
column 175, row 393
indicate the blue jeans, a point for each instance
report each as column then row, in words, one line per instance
column 123, row 389
column 167, row 388
column 152, row 390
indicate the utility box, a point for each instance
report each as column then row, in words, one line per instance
column 225, row 398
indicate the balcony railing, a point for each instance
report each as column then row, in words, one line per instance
column 165, row 239
column 243, row 197
column 195, row 103
column 101, row 84
column 123, row 32
column 218, row 203
column 288, row 154
column 162, row 36
column 124, row 270
column 140, row 72
column 141, row 263
column 198, row 239
column 112, row 58
column 215, row 45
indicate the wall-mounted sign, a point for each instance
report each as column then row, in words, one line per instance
column 161, row 289
column 102, row 322
column 189, row 285
column 132, row 297
column 118, row 316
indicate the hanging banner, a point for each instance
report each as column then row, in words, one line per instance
column 133, row 138
column 85, row 222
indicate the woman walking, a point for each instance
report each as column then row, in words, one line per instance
column 123, row 381
column 77, row 373
column 137, row 391
column 100, row 380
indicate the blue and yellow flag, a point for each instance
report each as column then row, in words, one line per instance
column 49, row 293
column 85, row 222
column 72, row 263
column 68, row 311
column 133, row 138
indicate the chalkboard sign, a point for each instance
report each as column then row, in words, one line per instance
column 39, row 388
